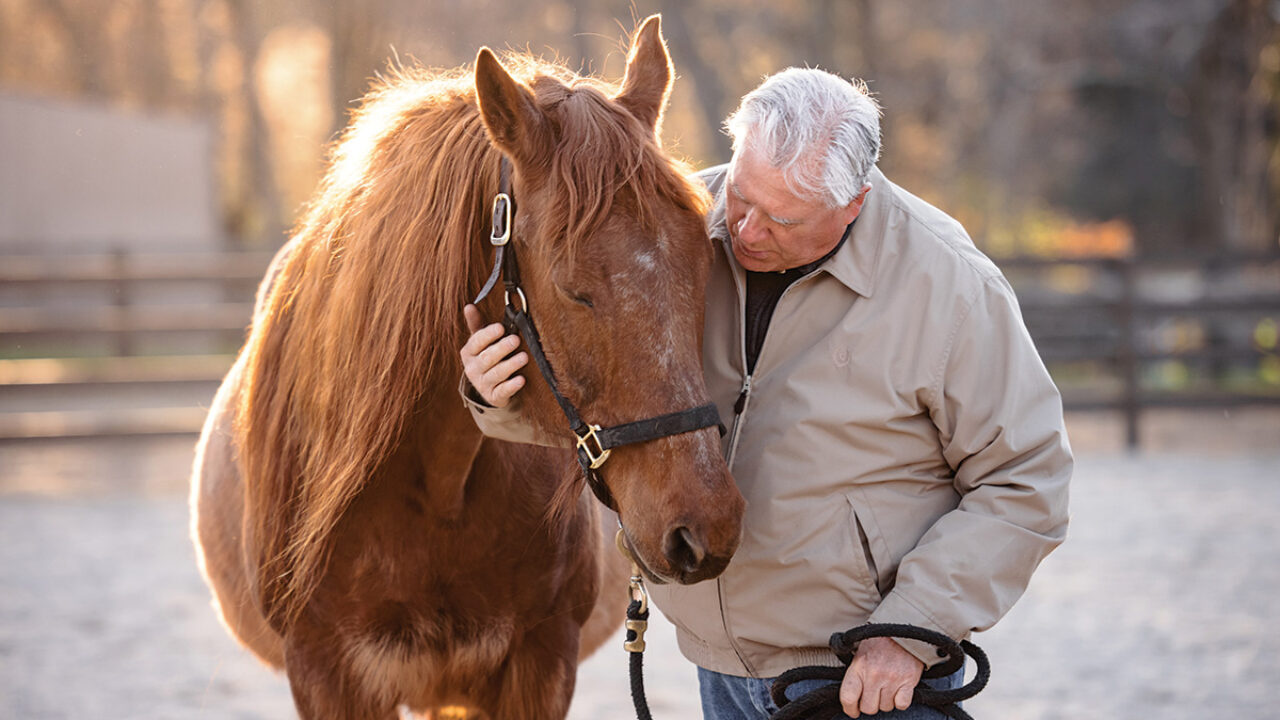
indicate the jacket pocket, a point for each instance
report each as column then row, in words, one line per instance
column 861, row 540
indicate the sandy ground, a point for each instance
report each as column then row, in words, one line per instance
column 1161, row 603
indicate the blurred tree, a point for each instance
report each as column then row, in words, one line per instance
column 149, row 60
column 1235, row 124
column 1162, row 114
column 354, row 26
column 690, row 56
column 81, row 26
column 1175, row 99
column 254, row 212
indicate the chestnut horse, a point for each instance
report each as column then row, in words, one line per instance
column 356, row 528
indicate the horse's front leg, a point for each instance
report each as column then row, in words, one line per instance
column 324, row 686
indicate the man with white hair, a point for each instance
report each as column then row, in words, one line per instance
column 897, row 438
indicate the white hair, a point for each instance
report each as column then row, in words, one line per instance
column 820, row 129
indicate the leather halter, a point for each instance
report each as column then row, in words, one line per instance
column 594, row 442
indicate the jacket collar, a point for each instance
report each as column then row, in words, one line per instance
column 854, row 264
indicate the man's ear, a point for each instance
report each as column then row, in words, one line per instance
column 507, row 107
column 647, row 84
column 854, row 208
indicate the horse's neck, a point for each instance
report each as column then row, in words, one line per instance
column 441, row 442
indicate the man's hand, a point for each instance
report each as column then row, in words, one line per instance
column 483, row 363
column 882, row 677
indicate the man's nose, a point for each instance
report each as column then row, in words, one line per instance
column 749, row 226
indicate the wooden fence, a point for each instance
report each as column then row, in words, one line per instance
column 123, row 344
column 1181, row 330
column 120, row 343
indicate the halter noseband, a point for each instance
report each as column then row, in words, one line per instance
column 594, row 442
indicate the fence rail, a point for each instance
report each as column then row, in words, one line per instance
column 163, row 328
column 1127, row 318
column 141, row 338
column 126, row 267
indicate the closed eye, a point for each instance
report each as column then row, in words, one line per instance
column 578, row 298
column 785, row 222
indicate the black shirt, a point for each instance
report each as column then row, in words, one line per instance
column 764, row 289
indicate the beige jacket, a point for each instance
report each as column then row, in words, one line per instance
column 901, row 446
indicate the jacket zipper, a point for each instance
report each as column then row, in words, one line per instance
column 739, row 406
column 744, row 395
column 739, row 410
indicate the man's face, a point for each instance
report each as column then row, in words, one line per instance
column 771, row 228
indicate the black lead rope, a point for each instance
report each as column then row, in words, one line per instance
column 824, row 702
column 637, row 621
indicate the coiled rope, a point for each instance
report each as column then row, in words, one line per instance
column 824, row 702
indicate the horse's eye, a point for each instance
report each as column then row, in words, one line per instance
column 576, row 297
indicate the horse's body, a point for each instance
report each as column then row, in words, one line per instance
column 355, row 526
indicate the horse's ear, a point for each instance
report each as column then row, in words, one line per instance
column 648, row 80
column 514, row 122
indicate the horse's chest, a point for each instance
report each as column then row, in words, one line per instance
column 423, row 658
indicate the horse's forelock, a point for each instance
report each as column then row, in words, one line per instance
column 592, row 126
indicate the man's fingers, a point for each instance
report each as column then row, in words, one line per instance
column 503, row 371
column 472, row 315
column 851, row 694
column 870, row 703
column 482, row 339
column 857, row 698
column 503, row 391
column 887, row 697
column 491, row 357
column 485, row 359
column 882, row 677
column 902, row 700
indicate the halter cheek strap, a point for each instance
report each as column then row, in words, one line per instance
column 594, row 443
column 504, row 264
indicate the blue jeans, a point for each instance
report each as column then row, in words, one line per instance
column 728, row 697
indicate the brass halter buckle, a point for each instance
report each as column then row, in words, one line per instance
column 636, row 593
column 596, row 455
column 635, row 625
column 501, row 232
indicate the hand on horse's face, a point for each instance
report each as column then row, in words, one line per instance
column 488, row 362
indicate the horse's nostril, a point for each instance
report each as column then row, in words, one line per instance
column 683, row 549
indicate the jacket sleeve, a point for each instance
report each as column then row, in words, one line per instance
column 504, row 423
column 1000, row 424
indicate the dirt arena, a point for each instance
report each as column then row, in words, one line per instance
column 1161, row 603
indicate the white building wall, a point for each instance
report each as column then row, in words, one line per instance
column 76, row 177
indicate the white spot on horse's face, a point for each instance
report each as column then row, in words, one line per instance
column 647, row 261
column 644, row 284
column 648, row 289
column 667, row 347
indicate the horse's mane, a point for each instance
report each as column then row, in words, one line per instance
column 364, row 314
